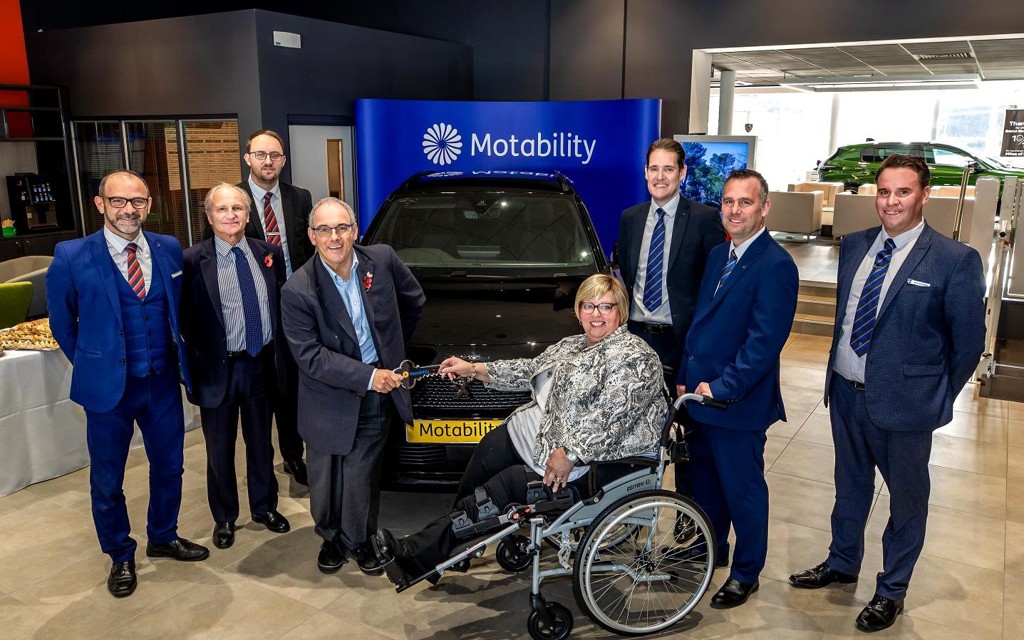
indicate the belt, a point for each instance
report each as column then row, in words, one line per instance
column 859, row 386
column 651, row 327
column 245, row 355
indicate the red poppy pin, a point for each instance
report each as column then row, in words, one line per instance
column 367, row 282
column 268, row 260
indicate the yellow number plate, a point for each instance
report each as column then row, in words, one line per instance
column 448, row 431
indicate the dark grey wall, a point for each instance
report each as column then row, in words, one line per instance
column 660, row 35
column 189, row 66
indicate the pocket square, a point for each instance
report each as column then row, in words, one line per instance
column 918, row 283
column 176, row 274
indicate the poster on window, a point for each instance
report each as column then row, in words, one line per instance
column 1013, row 134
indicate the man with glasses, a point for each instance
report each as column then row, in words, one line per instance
column 230, row 321
column 347, row 315
column 743, row 316
column 113, row 303
column 278, row 215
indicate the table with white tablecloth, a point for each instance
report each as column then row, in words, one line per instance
column 42, row 432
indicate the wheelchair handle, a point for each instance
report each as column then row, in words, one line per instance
column 707, row 401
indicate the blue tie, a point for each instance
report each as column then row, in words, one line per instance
column 726, row 271
column 866, row 314
column 250, row 304
column 655, row 259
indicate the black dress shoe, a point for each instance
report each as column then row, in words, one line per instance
column 880, row 614
column 223, row 534
column 820, row 576
column 297, row 470
column 685, row 528
column 390, row 556
column 180, row 549
column 331, row 557
column 122, row 581
column 733, row 593
column 272, row 520
column 366, row 558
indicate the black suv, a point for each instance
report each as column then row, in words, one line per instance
column 500, row 255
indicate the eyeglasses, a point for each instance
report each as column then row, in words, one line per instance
column 604, row 307
column 263, row 155
column 324, row 231
column 118, row 202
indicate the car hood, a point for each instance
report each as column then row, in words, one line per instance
column 495, row 319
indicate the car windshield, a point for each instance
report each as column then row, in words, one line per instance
column 482, row 229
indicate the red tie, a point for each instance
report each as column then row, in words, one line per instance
column 270, row 221
column 135, row 279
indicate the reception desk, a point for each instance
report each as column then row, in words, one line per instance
column 42, row 432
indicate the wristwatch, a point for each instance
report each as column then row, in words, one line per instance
column 570, row 456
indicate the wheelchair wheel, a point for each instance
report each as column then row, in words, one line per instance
column 512, row 554
column 643, row 582
column 561, row 623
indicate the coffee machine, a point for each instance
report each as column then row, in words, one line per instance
column 33, row 205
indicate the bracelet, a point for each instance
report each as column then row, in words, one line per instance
column 473, row 370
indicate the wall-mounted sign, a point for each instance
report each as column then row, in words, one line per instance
column 1013, row 134
column 600, row 145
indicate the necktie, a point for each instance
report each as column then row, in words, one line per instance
column 270, row 221
column 726, row 270
column 250, row 304
column 866, row 314
column 655, row 260
column 135, row 278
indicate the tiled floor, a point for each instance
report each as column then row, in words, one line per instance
column 968, row 584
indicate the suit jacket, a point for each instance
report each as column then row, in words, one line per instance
column 929, row 334
column 202, row 318
column 85, row 314
column 697, row 230
column 737, row 335
column 296, row 203
column 332, row 376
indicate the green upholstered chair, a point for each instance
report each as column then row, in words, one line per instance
column 14, row 300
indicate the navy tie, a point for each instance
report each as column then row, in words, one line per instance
column 726, row 270
column 655, row 261
column 867, row 308
column 250, row 304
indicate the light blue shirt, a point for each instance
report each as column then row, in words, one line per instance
column 275, row 203
column 638, row 312
column 231, row 305
column 353, row 299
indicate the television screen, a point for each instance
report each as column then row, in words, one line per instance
column 709, row 160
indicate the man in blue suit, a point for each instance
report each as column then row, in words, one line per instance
column 910, row 328
column 744, row 314
column 113, row 302
column 231, row 325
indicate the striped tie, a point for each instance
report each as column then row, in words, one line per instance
column 270, row 221
column 135, row 278
column 726, row 270
column 865, row 316
column 250, row 304
column 655, row 262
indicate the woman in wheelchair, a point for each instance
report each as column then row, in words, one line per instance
column 597, row 396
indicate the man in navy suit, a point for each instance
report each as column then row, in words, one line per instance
column 682, row 234
column 279, row 214
column 910, row 328
column 744, row 314
column 230, row 322
column 113, row 302
column 347, row 315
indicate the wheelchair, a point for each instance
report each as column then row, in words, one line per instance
column 634, row 571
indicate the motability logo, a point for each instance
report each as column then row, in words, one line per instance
column 442, row 144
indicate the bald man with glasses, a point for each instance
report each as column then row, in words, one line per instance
column 347, row 315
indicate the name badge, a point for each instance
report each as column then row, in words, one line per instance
column 918, row 283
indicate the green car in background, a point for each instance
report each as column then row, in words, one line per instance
column 856, row 164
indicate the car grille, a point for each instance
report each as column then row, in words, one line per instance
column 422, row 454
column 433, row 393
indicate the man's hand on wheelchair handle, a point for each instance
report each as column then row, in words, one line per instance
column 704, row 389
column 557, row 469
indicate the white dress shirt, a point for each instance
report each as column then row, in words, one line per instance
column 116, row 246
column 638, row 312
column 259, row 193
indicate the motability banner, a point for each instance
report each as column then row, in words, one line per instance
column 600, row 145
